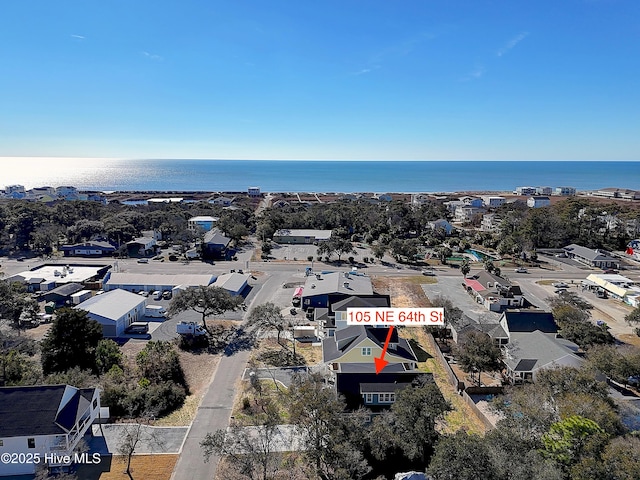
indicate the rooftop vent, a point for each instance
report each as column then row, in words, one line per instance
column 346, row 284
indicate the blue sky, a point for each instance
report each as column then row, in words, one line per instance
column 367, row 79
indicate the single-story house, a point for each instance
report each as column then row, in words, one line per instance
column 115, row 310
column 593, row 258
column 301, row 236
column 62, row 295
column 322, row 290
column 43, row 420
column 88, row 249
column 215, row 244
column 234, row 283
column 222, row 201
column 137, row 282
column 527, row 353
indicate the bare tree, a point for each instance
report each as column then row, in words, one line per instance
column 132, row 435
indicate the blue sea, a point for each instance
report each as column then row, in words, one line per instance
column 319, row 176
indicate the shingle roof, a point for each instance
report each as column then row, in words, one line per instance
column 584, row 252
column 35, row 410
column 535, row 350
column 214, row 237
column 383, row 387
column 529, row 321
column 361, row 302
column 350, row 337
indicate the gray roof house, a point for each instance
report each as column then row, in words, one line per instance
column 495, row 293
column 42, row 420
column 214, row 245
column 529, row 352
column 593, row 258
column 350, row 354
column 335, row 317
column 114, row 310
column 322, row 290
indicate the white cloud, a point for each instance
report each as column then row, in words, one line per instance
column 79, row 37
column 152, row 56
column 475, row 74
column 512, row 43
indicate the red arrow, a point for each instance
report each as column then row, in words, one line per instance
column 381, row 362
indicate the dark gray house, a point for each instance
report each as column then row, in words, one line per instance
column 215, row 245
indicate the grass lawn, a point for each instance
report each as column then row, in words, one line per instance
column 143, row 467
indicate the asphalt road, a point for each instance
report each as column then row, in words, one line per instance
column 215, row 409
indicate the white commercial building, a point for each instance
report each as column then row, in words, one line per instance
column 115, row 310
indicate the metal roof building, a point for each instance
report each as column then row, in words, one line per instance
column 114, row 310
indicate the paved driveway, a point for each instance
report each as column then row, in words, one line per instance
column 451, row 288
column 107, row 439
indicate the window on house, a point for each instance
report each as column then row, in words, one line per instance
column 95, row 403
column 31, row 442
column 369, row 398
column 366, row 351
column 1, row 443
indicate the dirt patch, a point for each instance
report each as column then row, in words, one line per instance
column 311, row 354
column 630, row 338
column 404, row 291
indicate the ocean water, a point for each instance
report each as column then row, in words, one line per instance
column 318, row 176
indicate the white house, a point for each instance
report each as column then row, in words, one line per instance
column 253, row 191
column 466, row 213
column 67, row 192
column 537, row 202
column 115, row 310
column 493, row 201
column 441, row 224
column 202, row 223
column 526, row 190
column 564, row 191
column 41, row 421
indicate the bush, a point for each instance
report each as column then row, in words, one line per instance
column 310, row 258
column 246, row 403
column 351, row 259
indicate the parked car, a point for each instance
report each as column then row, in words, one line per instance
column 561, row 255
column 521, row 270
column 167, row 295
column 634, row 381
column 143, row 260
column 137, row 327
column 561, row 290
column 560, row 285
column 157, row 295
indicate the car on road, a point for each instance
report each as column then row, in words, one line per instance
column 143, row 260
column 521, row 270
column 560, row 285
column 561, row 255
column 429, row 273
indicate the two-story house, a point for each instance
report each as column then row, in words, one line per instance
column 43, row 420
column 349, row 356
column 495, row 293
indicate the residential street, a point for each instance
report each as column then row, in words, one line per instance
column 215, row 409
